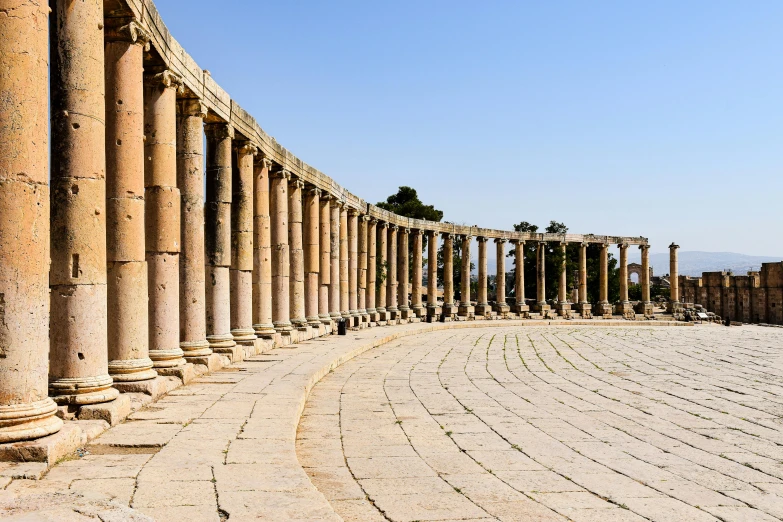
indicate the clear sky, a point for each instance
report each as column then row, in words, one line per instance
column 662, row 119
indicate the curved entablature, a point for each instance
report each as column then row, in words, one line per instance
column 201, row 85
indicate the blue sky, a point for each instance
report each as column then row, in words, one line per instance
column 662, row 119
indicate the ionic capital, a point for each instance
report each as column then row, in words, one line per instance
column 584, row 244
column 500, row 240
column 673, row 246
column 418, row 231
column 644, row 247
column 623, row 246
column 482, row 239
column 352, row 212
column 518, row 242
column 265, row 162
column 280, row 174
column 296, row 183
column 166, row 79
column 314, row 191
column 365, row 218
column 447, row 235
column 404, row 230
column 219, row 130
column 245, row 148
column 131, row 32
column 193, row 107
column 383, row 224
column 393, row 227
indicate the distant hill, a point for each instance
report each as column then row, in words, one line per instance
column 693, row 263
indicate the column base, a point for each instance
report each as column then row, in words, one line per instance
column 220, row 341
column 450, row 309
column 563, row 309
column 466, row 310
column 394, row 313
column 502, row 309
column 195, row 348
column 604, row 310
column 325, row 319
column 405, row 313
column 283, row 326
column 29, row 421
column 419, row 311
column 433, row 311
column 521, row 309
column 314, row 321
column 585, row 310
column 625, row 309
column 165, row 358
column 674, row 306
column 83, row 390
column 544, row 309
column 132, row 370
column 264, row 331
column 645, row 308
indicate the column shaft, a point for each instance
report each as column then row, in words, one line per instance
column 674, row 282
column 190, row 180
column 380, row 300
column 583, row 273
column 623, row 273
column 416, row 302
column 362, row 294
column 482, row 300
column 262, row 251
column 325, row 266
column 162, row 217
column 353, row 264
column 334, row 268
column 500, row 277
column 278, row 203
column 465, row 308
column 296, row 248
column 345, row 291
column 645, row 273
column 403, row 273
column 603, row 282
column 432, row 273
column 241, row 272
column 448, row 275
column 391, row 278
column 312, row 242
column 541, row 274
column 371, row 267
column 562, row 287
column 25, row 410
column 519, row 277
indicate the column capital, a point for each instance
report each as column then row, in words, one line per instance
column 296, row 183
column 404, row 230
column 431, row 233
column 584, row 244
column 192, row 107
column 365, row 218
column 644, row 247
column 447, row 235
column 166, row 79
column 280, row 173
column 466, row 237
column 500, row 240
column 245, row 147
column 126, row 29
column 482, row 239
column 383, row 224
column 622, row 246
column 518, row 242
column 674, row 246
column 393, row 227
column 418, row 231
column 219, row 130
column 264, row 161
column 353, row 212
column 311, row 189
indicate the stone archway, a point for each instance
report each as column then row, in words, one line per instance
column 636, row 268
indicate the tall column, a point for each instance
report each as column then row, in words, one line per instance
column 465, row 307
column 403, row 273
column 296, row 248
column 278, row 203
column 391, row 277
column 362, row 294
column 217, row 228
column 674, row 281
column 604, row 308
column 449, row 308
column 325, row 265
column 645, row 307
column 584, row 306
column 262, row 250
column 25, row 410
column 500, row 278
column 432, row 274
column 371, row 268
column 162, row 217
column 312, row 241
column 380, row 301
column 416, row 302
column 482, row 302
column 128, row 335
column 563, row 306
column 623, row 306
column 241, row 272
column 190, row 180
column 78, row 354
column 541, row 304
column 334, row 268
column 345, row 285
column 353, row 266
column 520, row 306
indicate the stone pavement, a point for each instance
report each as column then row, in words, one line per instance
column 557, row 423
column 644, row 407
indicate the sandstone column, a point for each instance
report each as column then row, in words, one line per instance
column 604, row 308
column 278, row 204
column 391, row 277
column 674, row 282
column 520, row 306
column 296, row 275
column 353, row 266
column 645, row 306
column 345, row 289
column 584, row 306
column 465, row 307
column 371, row 268
column 624, row 306
column 162, row 216
column 482, row 302
column 563, row 307
column 312, row 255
column 325, row 268
column 190, row 180
column 432, row 274
column 500, row 302
column 541, row 304
column 241, row 272
column 449, row 309
column 416, row 302
column 362, row 295
column 25, row 410
column 217, row 231
column 380, row 301
column 262, row 251
column 78, row 355
column 403, row 273
column 334, row 245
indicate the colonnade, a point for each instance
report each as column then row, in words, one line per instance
column 147, row 251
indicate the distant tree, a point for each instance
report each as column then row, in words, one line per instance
column 406, row 203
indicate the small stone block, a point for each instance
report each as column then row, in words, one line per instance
column 47, row 449
column 234, row 353
column 212, row 362
column 112, row 412
column 152, row 387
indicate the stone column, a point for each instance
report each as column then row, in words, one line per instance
column 482, row 302
column 262, row 251
column 465, row 307
column 563, row 306
column 296, row 248
column 541, row 304
column 345, row 284
column 190, row 180
column 353, row 266
column 362, row 294
column 78, row 354
column 371, row 269
column 624, row 306
column 500, row 302
column 604, row 309
column 241, row 272
column 325, row 265
column 334, row 267
column 278, row 204
column 584, row 307
column 520, row 306
column 432, row 274
column 217, row 229
column 449, row 308
column 403, row 273
column 312, row 240
column 674, row 282
column 128, row 327
column 645, row 307
column 380, row 301
column 25, row 410
column 391, row 278
column 162, row 216
column 416, row 302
